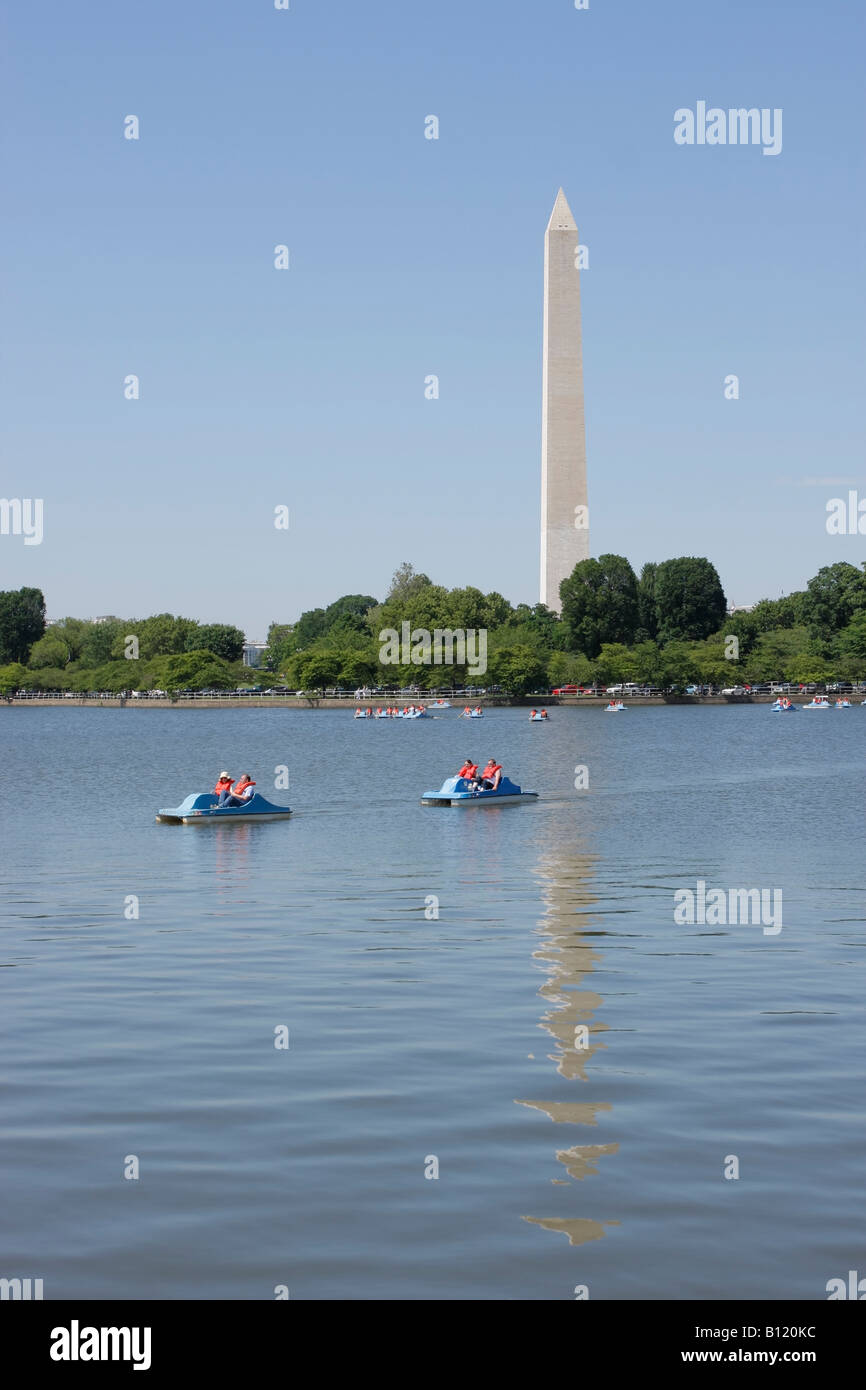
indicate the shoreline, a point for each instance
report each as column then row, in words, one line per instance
column 288, row 702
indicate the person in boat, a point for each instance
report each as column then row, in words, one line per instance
column 468, row 770
column 223, row 786
column 243, row 790
column 532, row 713
column 544, row 714
column 490, row 777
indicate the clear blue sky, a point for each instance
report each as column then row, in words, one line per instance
column 411, row 257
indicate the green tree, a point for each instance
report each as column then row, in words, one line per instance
column 281, row 646
column 348, row 614
column 543, row 624
column 713, row 667
column 113, row 676
column 833, row 597
column 852, row 640
column 358, row 665
column 646, row 603
column 72, row 631
column 788, row 611
column 99, row 640
column 196, row 670
column 518, row 669
column 22, row 622
column 777, row 654
column 309, row 628
column 615, row 663
column 678, row 664
column 599, row 603
column 50, row 650
column 161, row 635
column 745, row 627
column 49, row 678
column 649, row 663
column 565, row 668
column 808, row 670
column 222, row 639
column 690, row 601
column 12, row 677
column 317, row 666
column 406, row 582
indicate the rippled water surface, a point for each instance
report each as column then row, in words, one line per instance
column 414, row 1037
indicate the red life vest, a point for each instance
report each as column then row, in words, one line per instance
column 222, row 785
column 491, row 770
column 241, row 788
column 468, row 770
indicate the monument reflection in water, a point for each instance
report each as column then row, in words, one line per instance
column 569, row 959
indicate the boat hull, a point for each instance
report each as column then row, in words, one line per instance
column 455, row 792
column 202, row 809
column 483, row 799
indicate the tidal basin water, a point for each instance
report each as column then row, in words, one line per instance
column 414, row 1037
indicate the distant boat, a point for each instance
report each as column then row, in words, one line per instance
column 818, row 702
column 440, row 704
column 782, row 706
column 614, row 707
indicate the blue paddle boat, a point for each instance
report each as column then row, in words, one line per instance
column 456, row 792
column 782, row 706
column 201, row 809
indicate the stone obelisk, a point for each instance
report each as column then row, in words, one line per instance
column 564, row 511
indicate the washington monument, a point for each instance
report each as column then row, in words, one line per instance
column 564, row 511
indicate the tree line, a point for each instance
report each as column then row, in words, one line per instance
column 168, row 652
column 667, row 627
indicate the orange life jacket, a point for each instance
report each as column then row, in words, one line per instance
column 222, row 785
column 240, row 788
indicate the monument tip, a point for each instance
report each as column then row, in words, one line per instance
column 561, row 219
